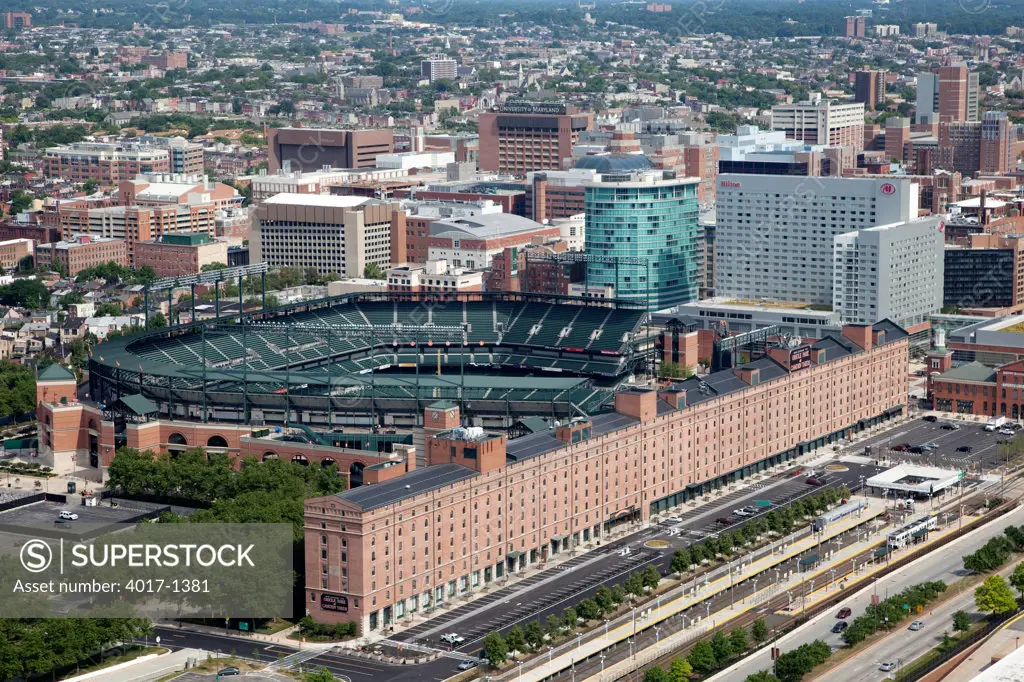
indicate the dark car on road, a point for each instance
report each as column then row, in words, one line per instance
column 815, row 481
column 840, row 626
column 902, row 447
column 231, row 670
column 844, row 612
column 723, row 520
column 964, row 448
column 930, row 418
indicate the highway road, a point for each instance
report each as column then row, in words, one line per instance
column 944, row 565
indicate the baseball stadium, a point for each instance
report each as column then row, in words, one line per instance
column 378, row 360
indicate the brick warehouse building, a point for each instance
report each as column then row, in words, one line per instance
column 378, row 553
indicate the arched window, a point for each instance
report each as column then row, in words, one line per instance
column 300, row 459
column 267, row 456
column 217, row 442
column 176, row 439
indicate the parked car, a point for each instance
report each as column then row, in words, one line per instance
column 840, row 626
column 452, row 639
column 230, row 670
column 930, row 418
column 812, row 480
column 69, row 516
column 902, row 447
column 887, row 667
column 916, row 625
column 964, row 448
column 844, row 612
column 949, row 426
column 1007, row 432
column 467, row 665
column 930, row 446
column 742, row 511
column 724, row 520
column 796, row 472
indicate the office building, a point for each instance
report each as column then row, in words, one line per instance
column 892, row 272
column 887, row 30
column 821, row 122
column 701, row 161
column 183, row 253
column 439, row 67
column 996, row 153
column 855, row 26
column 167, row 60
column 926, row 109
column 897, row 139
column 960, row 147
column 311, row 149
column 136, row 224
column 556, row 194
column 162, row 189
column 985, row 275
column 332, row 234
column 521, row 137
column 774, row 234
column 496, row 506
column 645, row 224
column 869, row 88
column 81, row 252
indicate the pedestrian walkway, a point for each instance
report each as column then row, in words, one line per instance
column 143, row 669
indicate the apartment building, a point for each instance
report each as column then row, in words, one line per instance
column 17, row 20
column 855, row 26
column 485, row 506
column 869, row 88
column 985, row 274
column 439, row 67
column 177, row 188
column 824, row 122
column 774, row 234
column 13, row 250
column 892, row 272
column 80, row 252
column 340, row 234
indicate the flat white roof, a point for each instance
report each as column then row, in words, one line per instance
column 326, row 200
column 933, row 479
column 1010, row 668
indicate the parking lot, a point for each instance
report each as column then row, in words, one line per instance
column 983, row 457
column 44, row 514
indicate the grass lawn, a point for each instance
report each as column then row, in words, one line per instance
column 274, row 625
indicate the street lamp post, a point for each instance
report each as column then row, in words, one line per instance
column 579, row 640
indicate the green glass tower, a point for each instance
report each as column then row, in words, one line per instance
column 642, row 227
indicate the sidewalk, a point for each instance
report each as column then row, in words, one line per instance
column 143, row 669
column 276, row 638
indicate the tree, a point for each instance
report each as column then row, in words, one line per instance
column 656, row 674
column 738, row 641
column 210, row 267
column 651, row 577
column 760, row 630
column 373, row 271
column 20, row 201
column 534, row 635
column 108, row 310
column 618, row 594
column 762, row 676
column 25, row 293
column 679, row 670
column 588, row 609
column 994, row 596
column 570, row 617
column 515, row 640
column 722, row 648
column 321, row 674
column 90, row 185
column 634, row 584
column 702, row 657
column 961, row 621
column 1017, row 578
column 554, row 626
column 681, row 561
column 673, row 370
column 157, row 321
column 604, row 599
column 495, row 649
